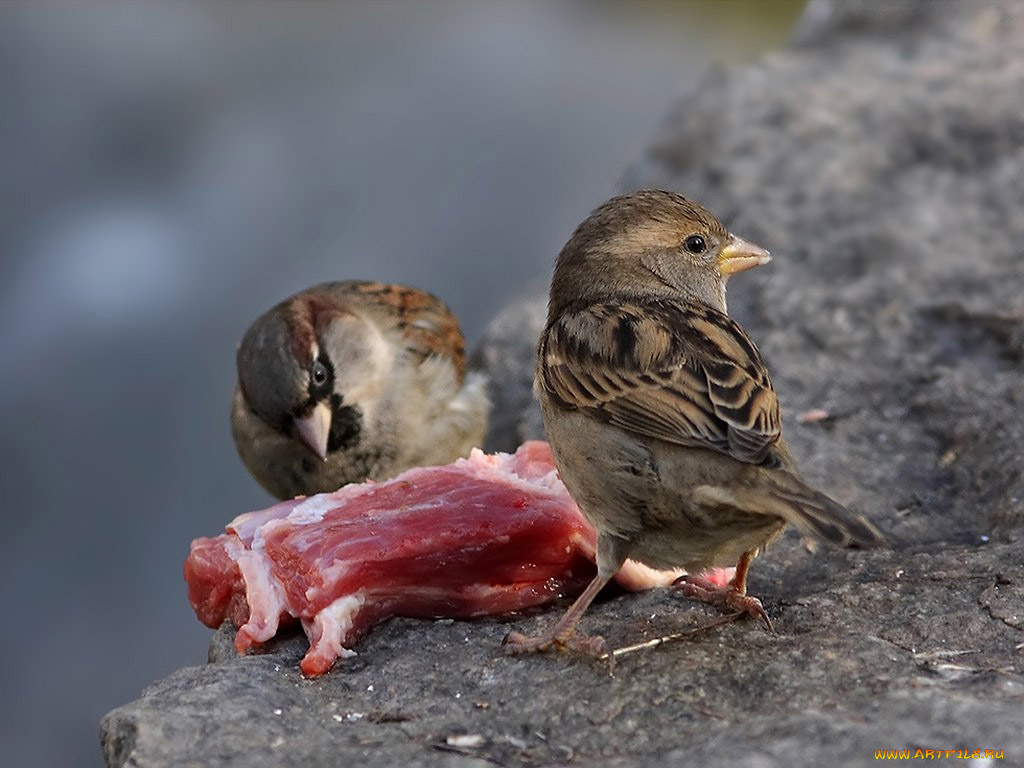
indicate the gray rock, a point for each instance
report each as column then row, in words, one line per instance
column 872, row 651
column 881, row 158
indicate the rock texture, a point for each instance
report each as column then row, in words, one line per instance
column 881, row 158
column 873, row 651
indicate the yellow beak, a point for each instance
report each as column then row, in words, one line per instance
column 738, row 255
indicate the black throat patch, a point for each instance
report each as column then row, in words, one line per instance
column 346, row 425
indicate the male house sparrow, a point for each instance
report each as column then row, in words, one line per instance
column 659, row 409
column 349, row 381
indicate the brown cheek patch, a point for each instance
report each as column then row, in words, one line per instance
column 304, row 314
column 301, row 336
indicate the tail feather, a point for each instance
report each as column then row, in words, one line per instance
column 823, row 517
column 785, row 495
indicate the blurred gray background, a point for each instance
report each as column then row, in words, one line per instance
column 168, row 170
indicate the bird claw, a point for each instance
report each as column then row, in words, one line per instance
column 727, row 596
column 516, row 642
column 590, row 645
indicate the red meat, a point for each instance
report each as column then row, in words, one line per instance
column 486, row 535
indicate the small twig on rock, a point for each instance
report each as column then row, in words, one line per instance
column 674, row 636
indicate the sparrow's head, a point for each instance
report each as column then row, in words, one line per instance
column 647, row 244
column 293, row 364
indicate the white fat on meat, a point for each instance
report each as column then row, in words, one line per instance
column 312, row 509
column 327, row 633
column 263, row 593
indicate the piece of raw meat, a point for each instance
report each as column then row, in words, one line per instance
column 486, row 535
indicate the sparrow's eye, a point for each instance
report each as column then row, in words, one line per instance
column 319, row 374
column 695, row 244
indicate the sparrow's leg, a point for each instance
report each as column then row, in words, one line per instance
column 733, row 595
column 610, row 558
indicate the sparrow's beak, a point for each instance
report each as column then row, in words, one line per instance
column 738, row 255
column 314, row 429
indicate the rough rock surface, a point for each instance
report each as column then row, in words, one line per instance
column 881, row 158
column 861, row 661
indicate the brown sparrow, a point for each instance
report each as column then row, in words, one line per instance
column 659, row 409
column 350, row 381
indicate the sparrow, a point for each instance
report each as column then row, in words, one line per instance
column 660, row 412
column 349, row 381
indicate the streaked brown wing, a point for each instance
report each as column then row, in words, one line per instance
column 674, row 371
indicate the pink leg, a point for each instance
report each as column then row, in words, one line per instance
column 563, row 633
column 734, row 595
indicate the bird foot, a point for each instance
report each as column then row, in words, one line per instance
column 593, row 646
column 728, row 596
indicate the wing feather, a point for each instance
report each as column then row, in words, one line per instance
column 671, row 370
